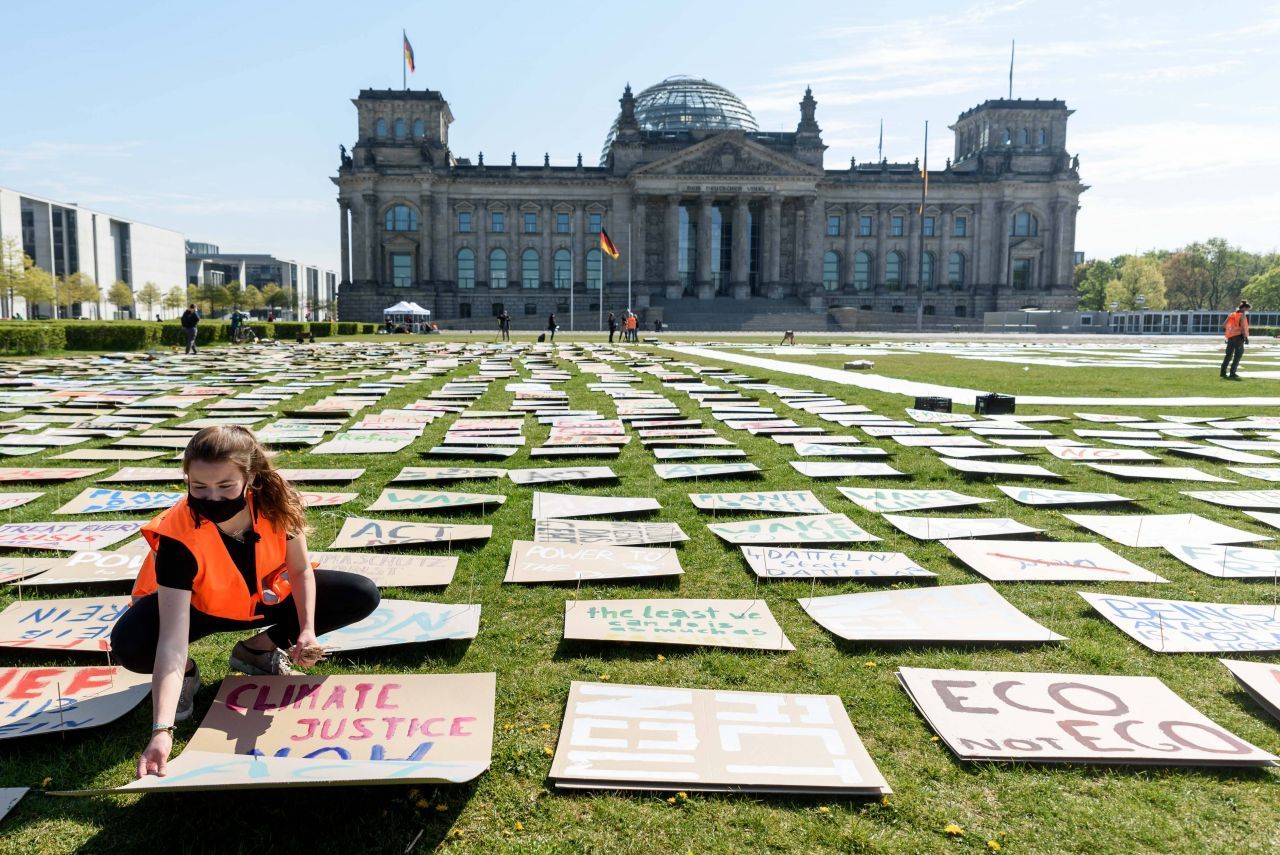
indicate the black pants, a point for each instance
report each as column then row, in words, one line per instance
column 1235, row 350
column 611, row 332
column 191, row 338
column 341, row 600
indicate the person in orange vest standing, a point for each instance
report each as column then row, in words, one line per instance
column 231, row 555
column 1236, row 330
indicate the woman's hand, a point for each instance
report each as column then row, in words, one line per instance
column 306, row 651
column 155, row 757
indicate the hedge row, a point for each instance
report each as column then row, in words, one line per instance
column 26, row 339
column 111, row 335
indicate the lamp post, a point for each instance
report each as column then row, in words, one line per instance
column 1141, row 300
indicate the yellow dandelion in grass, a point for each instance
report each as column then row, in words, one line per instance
column 423, row 803
column 546, row 727
column 508, row 726
column 682, row 796
column 868, row 664
column 824, row 809
column 934, row 738
column 46, row 782
column 661, row 658
column 519, row 826
column 604, row 678
column 442, row 808
column 954, row 830
column 884, row 802
column 671, row 800
column 455, row 833
column 547, row 751
column 993, row 845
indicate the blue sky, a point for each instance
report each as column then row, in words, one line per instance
column 223, row 120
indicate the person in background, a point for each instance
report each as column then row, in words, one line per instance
column 788, row 337
column 190, row 321
column 552, row 327
column 1236, row 330
column 231, row 555
column 504, row 324
column 237, row 320
column 158, row 319
column 613, row 326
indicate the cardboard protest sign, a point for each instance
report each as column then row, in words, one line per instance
column 1156, row 473
column 67, row 536
column 413, row 474
column 648, row 737
column 100, row 500
column 16, row 567
column 1261, row 473
column 64, row 473
column 774, row 502
column 401, row 729
column 673, row 471
column 405, row 622
column 845, row 470
column 432, row 500
column 57, row 699
column 312, row 499
column 560, row 474
column 1228, row 562
column 389, row 570
column 89, row 568
column 1093, row 454
column 307, row 476
column 1159, row 529
column 696, row 453
column 946, row 613
column 815, row 449
column 816, row 528
column 1038, row 561
column 946, row 528
column 112, row 454
column 781, row 562
column 1261, row 680
column 1067, row 718
column 1272, row 520
column 368, row 441
column 360, row 532
column 1183, row 626
column 618, row 533
column 1043, row 498
column 745, row 624
column 985, row 467
column 1263, row 499
column 547, row 506
column 532, row 562
column 16, row 500
column 144, row 474
column 81, row 624
column 888, row 501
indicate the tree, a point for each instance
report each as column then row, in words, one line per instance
column 122, row 296
column 251, row 298
column 235, row 293
column 175, row 298
column 214, row 297
column 79, row 288
column 1091, row 280
column 36, row 286
column 1139, row 277
column 272, row 296
column 14, row 264
column 148, row 295
column 1263, row 290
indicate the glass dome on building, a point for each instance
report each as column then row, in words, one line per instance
column 683, row 103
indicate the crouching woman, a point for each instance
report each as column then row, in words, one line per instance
column 229, row 556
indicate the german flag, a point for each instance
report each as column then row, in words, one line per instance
column 408, row 51
column 607, row 245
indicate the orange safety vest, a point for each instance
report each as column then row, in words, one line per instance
column 219, row 588
column 631, row 323
column 1237, row 324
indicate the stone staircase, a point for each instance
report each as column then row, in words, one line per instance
column 758, row 314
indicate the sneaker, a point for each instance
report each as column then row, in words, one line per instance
column 1234, row 377
column 273, row 662
column 187, row 698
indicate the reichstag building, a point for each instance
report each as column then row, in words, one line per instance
column 716, row 221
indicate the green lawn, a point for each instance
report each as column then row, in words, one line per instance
column 1075, row 809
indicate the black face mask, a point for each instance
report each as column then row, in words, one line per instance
column 216, row 510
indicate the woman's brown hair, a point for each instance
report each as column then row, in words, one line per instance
column 273, row 497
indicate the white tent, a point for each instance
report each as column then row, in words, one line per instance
column 411, row 316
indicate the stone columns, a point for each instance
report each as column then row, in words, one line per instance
column 740, row 279
column 942, row 264
column 671, row 252
column 443, row 256
column 424, row 237
column 373, row 242
column 706, row 288
column 773, row 245
column 344, row 237
column 546, row 263
column 850, row 247
column 580, row 246
column 1002, row 259
column 636, row 250
column 878, row 266
column 1053, row 275
column 480, row 224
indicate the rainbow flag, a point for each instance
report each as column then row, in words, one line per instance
column 607, row 245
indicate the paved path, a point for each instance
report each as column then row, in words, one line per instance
column 912, row 388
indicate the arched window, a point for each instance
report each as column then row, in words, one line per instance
column 593, row 270
column 955, row 270
column 380, row 129
column 401, row 218
column 399, row 129
column 1042, row 137
column 419, row 129
column 1008, row 136
column 466, row 268
column 529, row 275
column 926, row 270
column 1024, row 224
column 498, row 268
column 893, row 270
column 830, row 270
column 562, row 274
column 862, row 271
column 1024, row 137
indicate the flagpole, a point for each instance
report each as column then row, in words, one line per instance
column 880, row 155
column 404, row 61
column 924, row 191
column 629, row 254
